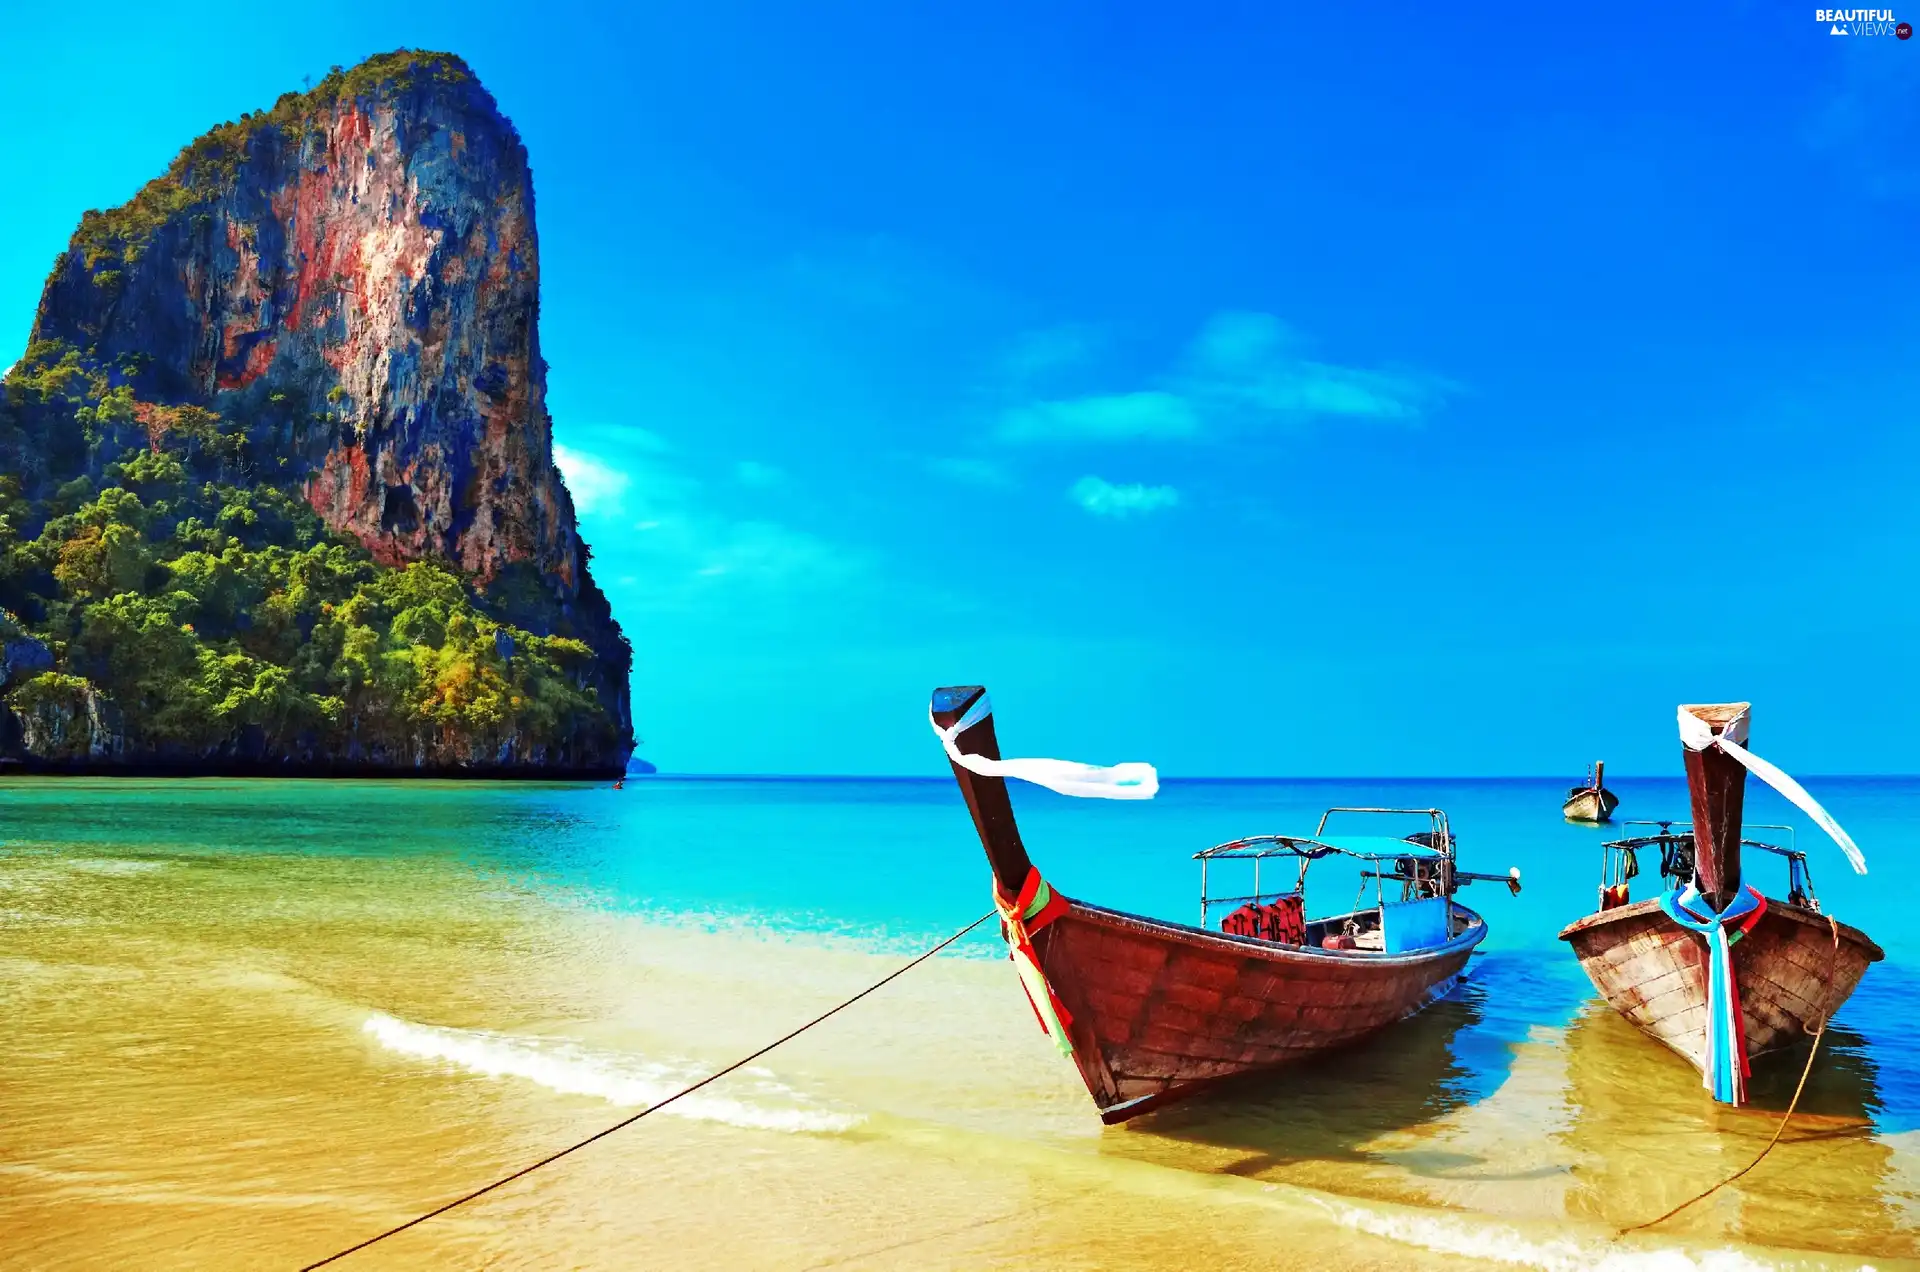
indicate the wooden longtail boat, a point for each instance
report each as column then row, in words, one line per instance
column 1592, row 802
column 1150, row 1010
column 1711, row 967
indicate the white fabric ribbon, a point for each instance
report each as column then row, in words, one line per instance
column 1697, row 735
column 1084, row 781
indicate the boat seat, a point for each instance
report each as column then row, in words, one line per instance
column 1374, row 940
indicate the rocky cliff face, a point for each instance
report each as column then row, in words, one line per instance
column 370, row 248
column 349, row 281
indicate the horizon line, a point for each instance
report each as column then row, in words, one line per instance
column 1217, row 780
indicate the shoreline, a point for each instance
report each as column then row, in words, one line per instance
column 351, row 1000
column 357, row 771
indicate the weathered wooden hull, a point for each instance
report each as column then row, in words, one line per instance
column 1162, row 1009
column 1590, row 805
column 1654, row 972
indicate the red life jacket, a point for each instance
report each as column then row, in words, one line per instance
column 1283, row 920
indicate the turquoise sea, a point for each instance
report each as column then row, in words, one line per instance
column 253, row 1018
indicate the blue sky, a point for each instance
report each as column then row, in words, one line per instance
column 1248, row 389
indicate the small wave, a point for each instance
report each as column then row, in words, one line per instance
column 624, row 1079
column 113, row 866
column 1495, row 1243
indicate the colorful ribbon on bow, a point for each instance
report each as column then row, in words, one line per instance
column 1725, row 1069
column 1020, row 917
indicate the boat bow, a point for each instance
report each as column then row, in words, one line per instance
column 1712, row 967
column 1150, row 1010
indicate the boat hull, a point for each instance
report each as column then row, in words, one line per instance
column 1159, row 1010
column 1590, row 805
column 1790, row 973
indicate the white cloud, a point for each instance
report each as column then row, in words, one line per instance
column 764, row 551
column 1242, row 371
column 1255, row 361
column 677, row 545
column 1147, row 414
column 595, row 486
column 691, row 558
column 648, row 519
column 1103, row 498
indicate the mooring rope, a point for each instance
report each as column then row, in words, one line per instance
column 1833, row 960
column 651, row 1108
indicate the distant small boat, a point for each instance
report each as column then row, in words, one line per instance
column 1711, row 967
column 1592, row 802
column 1151, row 1010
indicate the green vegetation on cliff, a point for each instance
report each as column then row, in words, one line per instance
column 163, row 593
column 201, row 170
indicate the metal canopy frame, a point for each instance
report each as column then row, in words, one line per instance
column 1434, row 844
column 1621, row 857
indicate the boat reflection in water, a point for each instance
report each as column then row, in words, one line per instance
column 1313, row 1121
column 1640, row 1139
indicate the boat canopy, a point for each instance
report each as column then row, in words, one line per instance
column 1365, row 847
column 1620, row 860
column 1684, row 835
column 1435, row 841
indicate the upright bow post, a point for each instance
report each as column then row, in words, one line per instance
column 1717, row 788
column 1714, row 738
column 963, row 718
column 1026, row 904
column 986, row 797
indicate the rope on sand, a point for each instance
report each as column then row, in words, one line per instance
column 651, row 1108
column 1832, row 959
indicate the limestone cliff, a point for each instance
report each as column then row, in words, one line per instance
column 337, row 298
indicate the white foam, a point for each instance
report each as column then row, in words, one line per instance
column 1497, row 1243
column 34, row 916
column 618, row 1078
